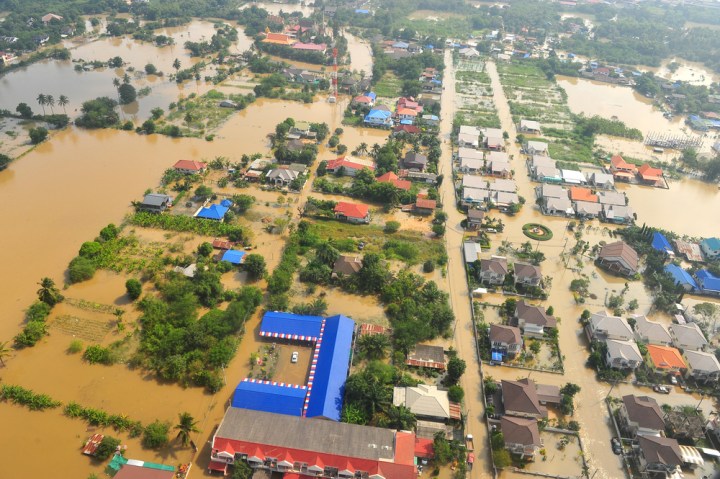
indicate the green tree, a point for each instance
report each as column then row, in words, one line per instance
column 392, row 227
column 42, row 101
column 241, row 470
column 203, row 192
column 242, row 203
column 456, row 394
column 48, row 292
column 255, row 265
column 106, row 448
column 4, row 161
column 205, row 249
column 127, row 93
column 185, row 427
column 497, row 441
column 352, row 414
column 455, row 369
column 155, row 435
column 5, row 352
column 38, row 135
column 24, row 110
column 176, row 64
column 133, row 288
column 50, row 101
column 373, row 346
column 326, row 253
column 502, row 459
column 63, row 101
column 150, row 69
column 441, row 446
column 400, row 418
column 438, row 229
column 81, row 269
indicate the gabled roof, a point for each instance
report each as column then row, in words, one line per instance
column 213, row 212
column 278, row 39
column 602, row 178
column 665, row 357
column 644, row 411
column 505, row 334
column 413, row 157
column 347, row 264
column 660, row 243
column 189, row 165
column 519, row 430
column 622, row 250
column 496, row 265
column 133, row 471
column 472, row 181
column 708, row 280
column 503, row 184
column 702, row 361
column 156, row 199
column 534, row 314
column 391, row 177
column 626, row 350
column 680, row 276
column 233, row 256
column 348, row 162
column 619, row 162
column 614, row 325
column 553, row 191
column 651, row 330
column 527, row 270
column 268, row 396
column 688, row 335
column 578, row 193
column 521, row 396
column 425, row 203
column 611, row 198
column 648, row 173
column 711, row 243
column 660, row 450
column 288, row 325
column 423, row 400
column 352, row 210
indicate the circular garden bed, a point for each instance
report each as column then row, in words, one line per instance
column 537, row 231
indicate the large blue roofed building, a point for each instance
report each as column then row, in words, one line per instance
column 660, row 243
column 323, row 394
column 709, row 284
column 681, row 277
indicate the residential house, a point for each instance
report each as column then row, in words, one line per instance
column 427, row 403
column 493, row 270
column 471, row 251
column 468, row 139
column 651, row 332
column 155, row 203
column 215, row 212
column 536, row 148
column 391, row 177
column 602, row 180
column 498, row 156
column 379, row 118
column 619, row 258
column 348, row 165
column 526, row 273
column 46, row 19
column 521, row 436
column 475, row 196
column 520, row 399
column 578, row 193
column 281, row 177
column 470, row 160
column 41, row 39
column 347, row 265
column 623, row 354
column 691, row 251
column 427, row 356
column 710, row 248
column 551, row 191
column 190, row 167
column 573, row 177
column 557, row 206
column 508, row 186
column 709, row 283
column 363, row 100
column 474, row 218
column 641, row 416
column 424, row 206
column 617, row 214
column 702, row 366
column 531, row 319
column 493, row 139
column 352, row 212
column 408, row 129
column 665, row 359
column 504, row 199
column 681, row 277
column 406, row 115
column 688, row 337
column 507, row 340
column 649, row 175
column 7, row 58
column 530, row 126
column 587, row 209
column 660, row 243
column 542, row 160
column 611, row 198
column 470, row 130
column 415, row 161
column 431, row 120
column 659, row 454
column 468, row 53
column 472, row 181
column 302, row 129
column 622, row 170
column 602, row 326
column 547, row 174
column 500, row 169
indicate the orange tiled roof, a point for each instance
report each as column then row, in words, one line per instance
column 665, row 357
column 582, row 194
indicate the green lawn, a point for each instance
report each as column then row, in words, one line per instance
column 389, row 86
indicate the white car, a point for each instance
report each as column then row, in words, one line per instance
column 294, row 357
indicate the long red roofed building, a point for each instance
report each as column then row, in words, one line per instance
column 349, row 164
column 279, row 39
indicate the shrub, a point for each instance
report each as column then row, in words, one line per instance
column 133, row 288
column 35, row 327
column 75, row 346
column 38, row 135
column 545, row 234
column 428, row 266
column 155, row 435
column 254, row 264
column 97, row 354
column 456, row 394
column 26, row 397
column 80, row 269
column 107, row 447
column 392, row 227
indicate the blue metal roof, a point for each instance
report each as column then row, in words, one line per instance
column 290, row 324
column 661, row 243
column 371, row 95
column 708, row 281
column 681, row 276
column 383, row 114
column 268, row 397
column 711, row 243
column 213, row 212
column 326, row 397
column 233, row 256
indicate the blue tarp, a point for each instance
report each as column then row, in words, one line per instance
column 681, row 276
column 328, row 389
column 660, row 243
column 708, row 281
column 290, row 324
column 362, row 11
column 496, row 356
column 233, row 256
column 213, row 212
column 269, row 398
column 406, row 122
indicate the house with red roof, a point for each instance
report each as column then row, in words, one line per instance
column 409, row 103
column 649, row 175
column 424, row 206
column 352, row 212
column 348, row 165
column 406, row 114
column 190, row 167
column 622, row 170
column 363, row 100
column 391, row 177
column 578, row 193
column 409, row 129
column 279, row 39
column 665, row 359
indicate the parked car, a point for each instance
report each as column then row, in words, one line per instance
column 661, row 389
column 673, row 380
column 616, row 446
column 294, row 357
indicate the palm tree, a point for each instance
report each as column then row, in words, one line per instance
column 48, row 292
column 400, row 418
column 187, row 425
column 375, row 150
column 41, row 99
column 5, row 351
column 176, row 64
column 126, row 79
column 116, row 84
column 326, row 253
column 50, row 101
column 374, row 346
column 62, row 101
column 362, row 148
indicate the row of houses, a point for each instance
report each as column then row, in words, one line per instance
column 543, row 169
column 493, row 271
column 528, row 320
column 407, row 113
column 584, row 203
column 629, row 173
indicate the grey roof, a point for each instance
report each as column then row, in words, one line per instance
column 688, row 335
column 530, row 125
column 472, row 251
column 547, row 172
column 427, row 352
column 542, row 160
column 413, row 157
column 498, row 166
column 612, row 325
column 471, row 163
column 534, row 314
column 472, row 153
column 317, row 435
column 620, row 250
column 469, row 130
column 505, row 198
column 521, row 396
column 602, row 178
column 626, row 350
column 155, row 199
column 505, row 334
column 617, row 212
column 611, row 198
column 508, row 186
column 497, row 156
column 559, row 204
column 702, row 361
column 496, row 265
column 519, row 430
column 527, row 270
column 423, row 400
column 553, row 191
column 660, row 450
column 588, row 208
column 492, row 132
column 476, row 194
column 651, row 331
column 548, row 393
column 283, row 173
column 474, row 214
column 537, row 146
column 471, row 181
column 644, row 411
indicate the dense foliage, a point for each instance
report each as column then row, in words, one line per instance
column 98, row 113
column 26, row 397
column 185, row 223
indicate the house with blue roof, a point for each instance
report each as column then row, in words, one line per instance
column 660, row 243
column 233, row 256
column 371, row 95
column 215, row 212
column 710, row 248
column 401, row 45
column 277, row 324
column 709, row 284
column 681, row 277
column 380, row 118
column 270, row 396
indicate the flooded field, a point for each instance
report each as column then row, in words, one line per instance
column 690, row 72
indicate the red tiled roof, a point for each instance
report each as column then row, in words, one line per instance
column 649, row 173
column 222, row 244
column 582, row 194
column 424, row 448
column 412, row 129
column 407, row 112
column 278, row 39
column 425, row 203
column 342, row 161
column 352, row 210
column 619, row 162
column 665, row 357
column 189, row 165
column 362, row 99
column 391, row 177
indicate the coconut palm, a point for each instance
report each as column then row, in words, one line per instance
column 62, row 101
column 186, row 426
column 50, row 101
column 374, row 346
column 176, row 64
column 41, row 99
column 126, row 79
column 5, row 352
column 362, row 148
column 400, row 418
column 326, row 253
column 48, row 292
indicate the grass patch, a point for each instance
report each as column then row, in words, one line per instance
column 202, row 114
column 389, row 86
